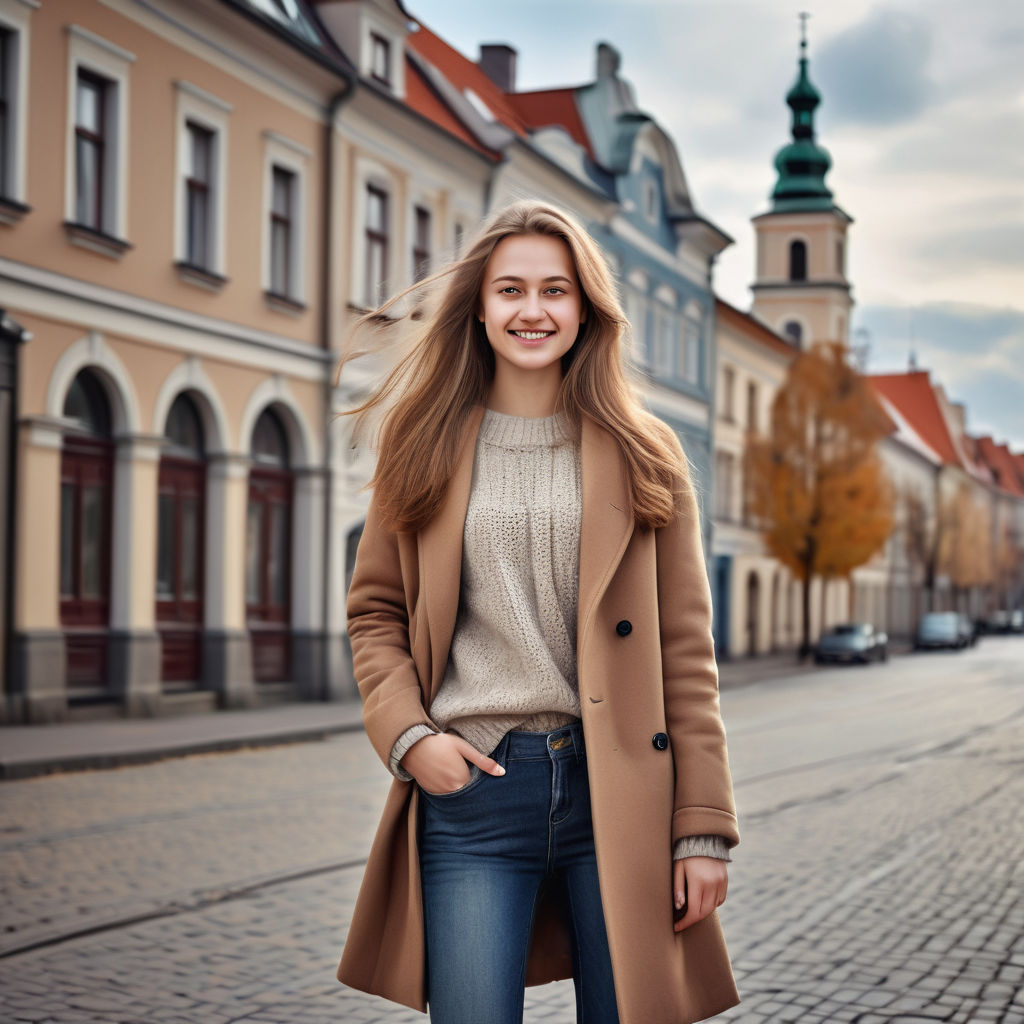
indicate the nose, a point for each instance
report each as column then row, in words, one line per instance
column 531, row 308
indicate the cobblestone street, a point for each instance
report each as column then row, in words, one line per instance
column 880, row 877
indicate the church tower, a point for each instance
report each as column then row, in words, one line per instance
column 801, row 289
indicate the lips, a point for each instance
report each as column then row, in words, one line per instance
column 531, row 337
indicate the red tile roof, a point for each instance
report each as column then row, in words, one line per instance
column 752, row 328
column 465, row 74
column 1007, row 469
column 913, row 396
column 547, row 107
column 422, row 98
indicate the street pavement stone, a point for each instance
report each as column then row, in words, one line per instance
column 886, row 888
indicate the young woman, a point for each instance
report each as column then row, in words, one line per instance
column 530, row 623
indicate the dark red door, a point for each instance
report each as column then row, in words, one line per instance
column 86, row 476
column 268, row 572
column 179, row 574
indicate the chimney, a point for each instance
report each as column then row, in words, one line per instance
column 498, row 62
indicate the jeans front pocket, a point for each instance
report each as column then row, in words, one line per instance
column 475, row 775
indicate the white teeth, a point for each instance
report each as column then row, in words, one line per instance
column 531, row 335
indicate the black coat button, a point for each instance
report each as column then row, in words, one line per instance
column 624, row 628
column 660, row 741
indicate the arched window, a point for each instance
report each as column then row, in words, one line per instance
column 268, row 550
column 794, row 332
column 181, row 501
column 797, row 261
column 86, row 492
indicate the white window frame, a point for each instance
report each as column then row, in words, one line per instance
column 429, row 205
column 199, row 107
column 280, row 151
column 396, row 44
column 370, row 172
column 91, row 52
column 691, row 344
column 15, row 16
column 637, row 286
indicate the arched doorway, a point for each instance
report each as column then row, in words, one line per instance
column 86, row 492
column 268, row 550
column 753, row 611
column 181, row 502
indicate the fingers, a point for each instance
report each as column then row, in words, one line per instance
column 482, row 761
column 706, row 881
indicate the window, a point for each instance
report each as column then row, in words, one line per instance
column 199, row 198
column 797, row 261
column 664, row 343
column 15, row 20
column 840, row 257
column 201, row 194
column 691, row 352
column 282, row 214
column 376, row 245
column 752, row 407
column 380, row 59
column 793, row 331
column 728, row 412
column 7, row 69
column 650, row 201
column 421, row 244
column 725, row 470
column 459, row 238
column 91, row 96
column 96, row 163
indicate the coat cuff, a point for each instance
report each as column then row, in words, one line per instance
column 701, row 846
column 705, row 821
column 411, row 735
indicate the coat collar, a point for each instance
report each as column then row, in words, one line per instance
column 605, row 531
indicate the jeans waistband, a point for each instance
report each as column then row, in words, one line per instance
column 562, row 742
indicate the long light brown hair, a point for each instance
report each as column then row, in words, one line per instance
column 449, row 365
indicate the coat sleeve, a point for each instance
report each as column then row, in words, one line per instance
column 703, row 802
column 378, row 630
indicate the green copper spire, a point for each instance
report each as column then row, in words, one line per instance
column 803, row 164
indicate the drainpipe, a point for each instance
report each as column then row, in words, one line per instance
column 12, row 336
column 338, row 100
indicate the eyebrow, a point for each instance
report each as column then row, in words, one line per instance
column 519, row 280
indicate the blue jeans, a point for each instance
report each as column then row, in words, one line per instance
column 485, row 852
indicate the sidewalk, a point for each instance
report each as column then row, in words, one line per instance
column 27, row 750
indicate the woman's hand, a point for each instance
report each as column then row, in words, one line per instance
column 700, row 883
column 438, row 762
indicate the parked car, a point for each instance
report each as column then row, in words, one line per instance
column 852, row 641
column 968, row 632
column 939, row 629
column 1005, row 620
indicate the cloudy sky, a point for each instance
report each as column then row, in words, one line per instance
column 923, row 114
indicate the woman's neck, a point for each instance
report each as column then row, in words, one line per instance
column 531, row 394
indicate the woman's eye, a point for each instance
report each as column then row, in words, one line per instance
column 509, row 289
column 553, row 290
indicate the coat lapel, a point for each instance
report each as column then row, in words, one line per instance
column 440, row 553
column 607, row 520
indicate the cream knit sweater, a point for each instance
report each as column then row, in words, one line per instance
column 512, row 663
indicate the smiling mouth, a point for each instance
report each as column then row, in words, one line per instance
column 532, row 335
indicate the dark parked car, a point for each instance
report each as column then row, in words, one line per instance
column 852, row 641
column 939, row 629
column 1005, row 621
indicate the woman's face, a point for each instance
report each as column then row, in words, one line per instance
column 531, row 303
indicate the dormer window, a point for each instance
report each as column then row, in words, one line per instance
column 380, row 59
column 650, row 201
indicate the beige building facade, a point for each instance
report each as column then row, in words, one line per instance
column 162, row 247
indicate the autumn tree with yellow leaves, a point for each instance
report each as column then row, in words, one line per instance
column 815, row 480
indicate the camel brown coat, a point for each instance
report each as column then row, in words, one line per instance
column 659, row 678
